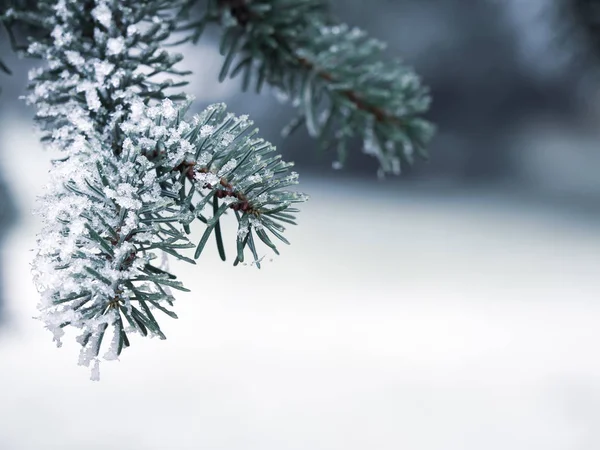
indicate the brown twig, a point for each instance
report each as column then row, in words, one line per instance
column 243, row 204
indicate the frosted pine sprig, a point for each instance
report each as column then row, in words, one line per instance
column 236, row 171
column 135, row 173
column 106, row 211
column 101, row 55
column 220, row 166
column 105, row 220
column 337, row 77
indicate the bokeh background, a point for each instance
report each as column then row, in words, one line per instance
column 453, row 308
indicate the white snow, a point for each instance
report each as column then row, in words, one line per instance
column 115, row 46
column 103, row 14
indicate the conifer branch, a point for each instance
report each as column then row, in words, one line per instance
column 136, row 173
column 335, row 75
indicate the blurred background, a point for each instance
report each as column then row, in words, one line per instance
column 455, row 307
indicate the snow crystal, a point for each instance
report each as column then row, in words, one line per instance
column 131, row 223
column 159, row 131
column 103, row 15
column 115, row 46
column 61, row 38
column 207, row 178
column 169, row 112
column 243, row 232
column 81, row 122
column 102, row 69
column 40, row 90
column 124, row 196
column 183, row 128
column 255, row 223
column 299, row 196
column 227, row 167
column 186, row 147
column 227, row 139
column 95, row 375
column 292, row 178
column 75, row 58
column 92, row 99
column 111, row 353
column 35, row 73
column 206, row 130
column 252, row 179
column 132, row 30
column 153, row 112
column 204, row 159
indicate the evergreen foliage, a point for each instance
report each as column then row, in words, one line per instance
column 335, row 75
column 137, row 171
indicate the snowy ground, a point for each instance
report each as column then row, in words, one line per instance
column 394, row 321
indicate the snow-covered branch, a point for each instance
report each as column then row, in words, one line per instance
column 136, row 173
